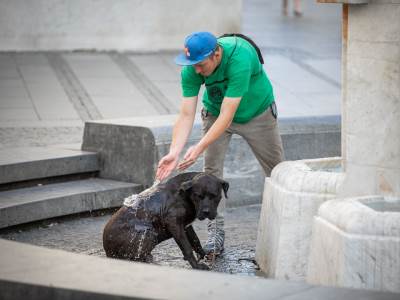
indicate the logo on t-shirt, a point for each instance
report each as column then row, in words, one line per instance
column 216, row 94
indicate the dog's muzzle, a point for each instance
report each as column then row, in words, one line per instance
column 206, row 214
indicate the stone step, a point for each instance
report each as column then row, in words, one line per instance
column 30, row 163
column 54, row 200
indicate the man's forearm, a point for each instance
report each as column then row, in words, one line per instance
column 216, row 130
column 180, row 133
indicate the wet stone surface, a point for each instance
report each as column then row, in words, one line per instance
column 83, row 234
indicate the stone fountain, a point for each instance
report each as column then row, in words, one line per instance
column 341, row 226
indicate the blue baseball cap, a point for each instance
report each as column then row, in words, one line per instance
column 198, row 46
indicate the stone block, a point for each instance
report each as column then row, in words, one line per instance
column 31, row 272
column 291, row 199
column 356, row 243
column 129, row 150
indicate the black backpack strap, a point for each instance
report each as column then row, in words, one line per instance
column 245, row 37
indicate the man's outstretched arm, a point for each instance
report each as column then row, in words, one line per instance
column 181, row 131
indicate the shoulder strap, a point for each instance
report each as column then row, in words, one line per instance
column 240, row 35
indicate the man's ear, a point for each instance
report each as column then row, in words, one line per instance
column 185, row 186
column 225, row 187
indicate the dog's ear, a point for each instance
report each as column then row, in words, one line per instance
column 225, row 187
column 185, row 186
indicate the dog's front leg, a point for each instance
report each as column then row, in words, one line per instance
column 194, row 241
column 178, row 232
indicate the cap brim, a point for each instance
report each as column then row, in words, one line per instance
column 182, row 60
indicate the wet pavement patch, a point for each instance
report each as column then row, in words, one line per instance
column 83, row 234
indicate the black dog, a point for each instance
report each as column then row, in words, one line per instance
column 162, row 212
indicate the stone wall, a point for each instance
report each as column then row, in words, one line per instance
column 111, row 25
column 129, row 150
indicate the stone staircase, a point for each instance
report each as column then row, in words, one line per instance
column 40, row 183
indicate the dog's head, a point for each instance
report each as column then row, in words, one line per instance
column 205, row 192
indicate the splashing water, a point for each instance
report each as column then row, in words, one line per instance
column 140, row 246
column 144, row 195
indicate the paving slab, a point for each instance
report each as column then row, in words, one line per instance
column 15, row 103
column 150, row 66
column 13, row 87
column 111, row 87
column 18, row 114
column 299, row 79
column 329, row 67
column 93, row 65
column 108, row 87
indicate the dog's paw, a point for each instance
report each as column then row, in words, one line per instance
column 200, row 254
column 201, row 266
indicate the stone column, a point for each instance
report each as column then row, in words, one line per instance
column 371, row 99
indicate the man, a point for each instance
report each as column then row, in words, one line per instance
column 238, row 99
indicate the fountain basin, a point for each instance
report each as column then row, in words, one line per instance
column 356, row 243
column 292, row 196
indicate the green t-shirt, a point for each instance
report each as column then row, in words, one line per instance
column 240, row 74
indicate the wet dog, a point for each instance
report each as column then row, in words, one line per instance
column 161, row 212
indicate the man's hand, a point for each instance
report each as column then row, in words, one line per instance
column 166, row 165
column 190, row 157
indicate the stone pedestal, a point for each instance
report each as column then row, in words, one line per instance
column 356, row 243
column 291, row 198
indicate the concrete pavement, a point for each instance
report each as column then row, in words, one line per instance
column 45, row 97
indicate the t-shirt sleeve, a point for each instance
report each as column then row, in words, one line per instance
column 190, row 82
column 239, row 74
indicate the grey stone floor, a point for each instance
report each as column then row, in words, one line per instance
column 83, row 234
column 45, row 97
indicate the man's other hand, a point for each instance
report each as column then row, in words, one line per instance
column 190, row 157
column 166, row 165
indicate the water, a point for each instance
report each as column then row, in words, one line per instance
column 384, row 205
column 83, row 234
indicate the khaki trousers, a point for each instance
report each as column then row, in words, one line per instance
column 261, row 133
